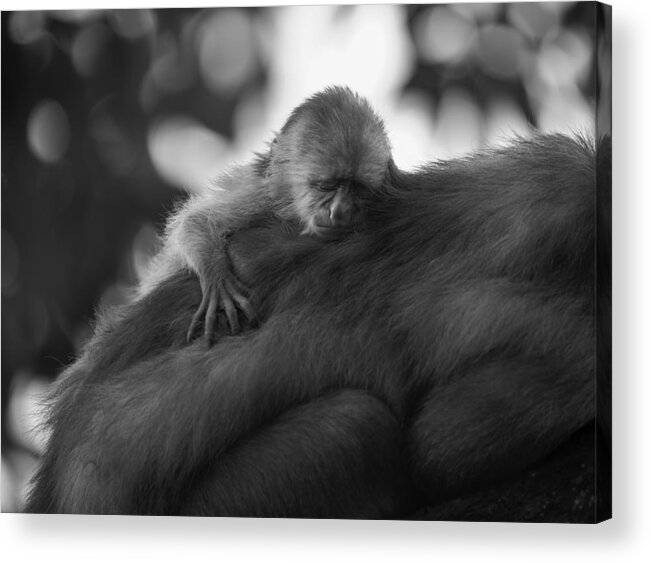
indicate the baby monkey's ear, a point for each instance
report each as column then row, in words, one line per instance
column 264, row 159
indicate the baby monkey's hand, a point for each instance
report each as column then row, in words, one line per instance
column 225, row 292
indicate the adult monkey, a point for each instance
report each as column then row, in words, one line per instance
column 447, row 348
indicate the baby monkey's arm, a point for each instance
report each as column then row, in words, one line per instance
column 200, row 233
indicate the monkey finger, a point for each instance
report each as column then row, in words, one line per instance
column 211, row 316
column 248, row 309
column 196, row 319
column 229, row 309
column 235, row 285
column 242, row 301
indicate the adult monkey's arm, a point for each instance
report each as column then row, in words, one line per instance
column 481, row 290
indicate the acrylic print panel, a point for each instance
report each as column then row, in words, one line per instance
column 401, row 293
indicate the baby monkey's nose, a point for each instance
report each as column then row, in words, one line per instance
column 341, row 209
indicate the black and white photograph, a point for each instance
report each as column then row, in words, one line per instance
column 310, row 262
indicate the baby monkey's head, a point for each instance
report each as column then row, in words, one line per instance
column 332, row 158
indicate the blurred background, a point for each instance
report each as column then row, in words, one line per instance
column 111, row 117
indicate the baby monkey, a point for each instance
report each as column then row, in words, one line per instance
column 321, row 176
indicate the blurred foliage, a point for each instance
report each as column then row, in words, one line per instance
column 109, row 117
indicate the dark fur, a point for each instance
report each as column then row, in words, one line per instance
column 456, row 341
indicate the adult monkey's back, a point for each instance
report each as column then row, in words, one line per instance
column 448, row 347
